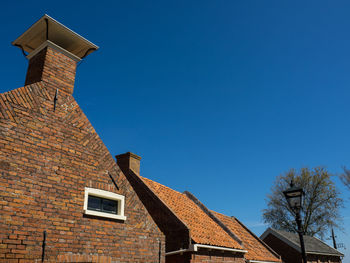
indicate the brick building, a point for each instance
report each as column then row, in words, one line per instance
column 288, row 246
column 62, row 196
column 193, row 232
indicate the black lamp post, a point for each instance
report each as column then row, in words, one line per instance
column 294, row 196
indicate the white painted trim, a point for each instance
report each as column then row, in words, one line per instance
column 258, row 261
column 180, row 251
column 196, row 246
column 48, row 43
column 107, row 195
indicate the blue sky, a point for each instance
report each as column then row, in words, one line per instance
column 217, row 97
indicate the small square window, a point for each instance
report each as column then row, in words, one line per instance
column 103, row 203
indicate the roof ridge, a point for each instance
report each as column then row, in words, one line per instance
column 142, row 177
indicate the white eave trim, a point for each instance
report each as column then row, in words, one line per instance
column 180, row 251
column 259, row 261
column 195, row 247
column 48, row 43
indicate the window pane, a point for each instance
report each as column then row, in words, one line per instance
column 94, row 203
column 109, row 206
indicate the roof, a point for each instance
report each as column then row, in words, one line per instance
column 257, row 250
column 203, row 229
column 312, row 244
column 48, row 29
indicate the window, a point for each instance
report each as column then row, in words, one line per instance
column 103, row 203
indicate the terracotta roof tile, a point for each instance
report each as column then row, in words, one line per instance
column 203, row 229
column 256, row 249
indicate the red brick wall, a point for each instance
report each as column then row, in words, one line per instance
column 177, row 234
column 54, row 68
column 46, row 160
column 206, row 257
column 287, row 253
column 290, row 255
column 320, row 259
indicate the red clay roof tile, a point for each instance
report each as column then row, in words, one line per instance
column 203, row 229
column 256, row 250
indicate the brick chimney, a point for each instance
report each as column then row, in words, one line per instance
column 129, row 161
column 53, row 53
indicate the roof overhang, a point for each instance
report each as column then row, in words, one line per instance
column 262, row 261
column 196, row 247
column 323, row 254
column 47, row 28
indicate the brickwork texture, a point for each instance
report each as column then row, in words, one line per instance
column 206, row 257
column 47, row 158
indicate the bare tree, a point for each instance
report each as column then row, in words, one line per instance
column 321, row 203
column 345, row 177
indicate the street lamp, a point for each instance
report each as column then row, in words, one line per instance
column 294, row 196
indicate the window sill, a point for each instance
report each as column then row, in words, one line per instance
column 106, row 215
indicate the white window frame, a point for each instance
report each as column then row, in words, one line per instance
column 107, row 195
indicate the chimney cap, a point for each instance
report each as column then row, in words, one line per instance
column 47, row 28
column 128, row 155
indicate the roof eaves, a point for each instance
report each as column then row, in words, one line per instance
column 336, row 251
column 325, row 253
column 196, row 246
column 260, row 261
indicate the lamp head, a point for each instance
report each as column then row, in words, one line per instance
column 294, row 196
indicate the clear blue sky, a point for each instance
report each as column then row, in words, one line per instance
column 218, row 97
